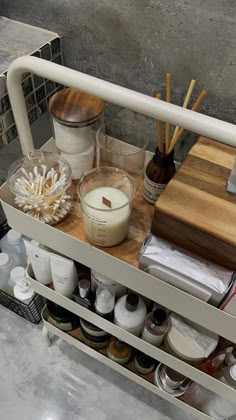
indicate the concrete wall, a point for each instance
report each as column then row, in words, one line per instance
column 134, row 42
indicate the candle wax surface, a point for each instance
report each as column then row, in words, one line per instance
column 106, row 228
column 115, row 196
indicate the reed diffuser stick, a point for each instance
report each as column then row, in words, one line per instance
column 185, row 104
column 194, row 108
column 168, row 99
column 159, row 130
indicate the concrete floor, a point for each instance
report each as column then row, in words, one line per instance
column 60, row 382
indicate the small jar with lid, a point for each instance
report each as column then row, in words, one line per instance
column 170, row 381
column 61, row 317
column 119, row 351
column 92, row 335
column 156, row 326
column 144, row 364
column 73, row 114
column 159, row 172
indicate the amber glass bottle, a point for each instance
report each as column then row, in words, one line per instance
column 159, row 172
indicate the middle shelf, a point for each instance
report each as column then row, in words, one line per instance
column 162, row 356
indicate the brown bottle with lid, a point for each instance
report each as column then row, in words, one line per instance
column 159, row 172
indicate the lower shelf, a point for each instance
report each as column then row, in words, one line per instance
column 156, row 353
column 146, row 381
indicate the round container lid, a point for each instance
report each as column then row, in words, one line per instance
column 184, row 346
column 74, row 108
column 174, row 392
column 14, row 237
column 5, row 260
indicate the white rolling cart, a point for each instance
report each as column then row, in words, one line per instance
column 121, row 262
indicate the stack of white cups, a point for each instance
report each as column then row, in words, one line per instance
column 77, row 146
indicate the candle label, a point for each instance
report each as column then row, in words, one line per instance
column 106, row 202
column 152, row 190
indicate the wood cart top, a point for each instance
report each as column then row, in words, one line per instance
column 140, row 223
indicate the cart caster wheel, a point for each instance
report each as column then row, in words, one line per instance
column 46, row 337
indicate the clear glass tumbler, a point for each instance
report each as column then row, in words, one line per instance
column 128, row 152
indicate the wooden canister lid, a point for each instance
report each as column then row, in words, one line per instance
column 75, row 108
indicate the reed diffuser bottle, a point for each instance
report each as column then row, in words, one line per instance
column 161, row 168
column 159, row 172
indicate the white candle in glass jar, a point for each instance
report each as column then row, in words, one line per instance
column 106, row 226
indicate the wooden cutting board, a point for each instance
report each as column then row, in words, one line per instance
column 195, row 211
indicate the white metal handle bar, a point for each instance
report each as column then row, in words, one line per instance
column 143, row 104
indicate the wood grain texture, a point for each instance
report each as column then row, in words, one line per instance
column 140, row 223
column 195, row 211
column 70, row 106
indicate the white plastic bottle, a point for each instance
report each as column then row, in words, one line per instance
column 22, row 289
column 7, row 263
column 12, row 243
column 130, row 312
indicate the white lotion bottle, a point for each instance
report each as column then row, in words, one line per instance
column 39, row 259
column 64, row 275
column 130, row 312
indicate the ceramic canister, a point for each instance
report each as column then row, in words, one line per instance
column 73, row 114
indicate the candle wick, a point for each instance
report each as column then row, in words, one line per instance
column 106, row 202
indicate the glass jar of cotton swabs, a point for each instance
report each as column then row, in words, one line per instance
column 40, row 184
